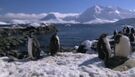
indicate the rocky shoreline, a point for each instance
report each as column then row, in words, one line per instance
column 13, row 38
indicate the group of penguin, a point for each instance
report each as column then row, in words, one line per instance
column 34, row 49
column 123, row 42
column 114, row 50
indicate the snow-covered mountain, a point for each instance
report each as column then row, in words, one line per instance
column 96, row 14
column 56, row 17
column 49, row 17
column 104, row 13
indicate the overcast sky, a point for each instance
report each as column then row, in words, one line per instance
column 63, row 6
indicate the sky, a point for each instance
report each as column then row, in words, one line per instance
column 63, row 6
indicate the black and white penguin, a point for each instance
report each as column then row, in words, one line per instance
column 114, row 34
column 33, row 48
column 103, row 47
column 132, row 35
column 126, row 31
column 84, row 47
column 54, row 44
column 132, row 30
column 132, row 39
column 122, row 46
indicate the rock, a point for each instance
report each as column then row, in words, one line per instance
column 115, row 61
column 126, row 66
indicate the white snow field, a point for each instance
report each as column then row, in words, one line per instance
column 65, row 64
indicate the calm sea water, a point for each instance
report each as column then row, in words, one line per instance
column 74, row 34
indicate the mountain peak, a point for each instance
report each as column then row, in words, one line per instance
column 49, row 17
column 96, row 9
column 97, row 6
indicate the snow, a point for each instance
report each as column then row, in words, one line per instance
column 101, row 21
column 66, row 64
column 88, row 44
column 98, row 9
column 35, row 24
column 116, row 11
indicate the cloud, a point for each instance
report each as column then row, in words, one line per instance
column 62, row 15
column 24, row 16
column 133, row 10
column 31, row 17
column 21, row 16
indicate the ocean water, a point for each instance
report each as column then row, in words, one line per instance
column 74, row 34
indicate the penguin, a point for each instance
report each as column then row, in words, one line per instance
column 132, row 30
column 33, row 48
column 126, row 31
column 84, row 47
column 132, row 35
column 122, row 46
column 132, row 39
column 54, row 44
column 103, row 47
column 114, row 33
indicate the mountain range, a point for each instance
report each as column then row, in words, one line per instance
column 94, row 14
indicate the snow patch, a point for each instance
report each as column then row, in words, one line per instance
column 101, row 21
column 116, row 11
column 98, row 9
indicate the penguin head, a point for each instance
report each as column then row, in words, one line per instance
column 101, row 38
column 132, row 30
column 127, row 30
column 117, row 38
column 30, row 34
column 103, row 35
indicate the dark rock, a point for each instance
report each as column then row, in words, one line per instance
column 115, row 61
